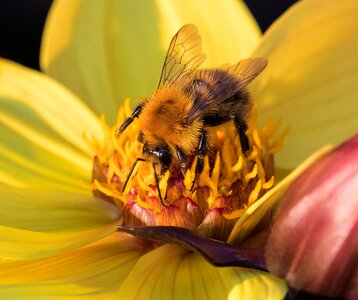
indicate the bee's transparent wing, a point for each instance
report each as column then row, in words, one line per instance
column 227, row 86
column 184, row 55
column 247, row 69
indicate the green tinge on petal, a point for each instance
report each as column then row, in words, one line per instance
column 311, row 78
column 41, row 127
column 38, row 222
column 25, row 244
column 107, row 51
column 170, row 272
column 26, row 159
column 32, row 93
column 92, row 272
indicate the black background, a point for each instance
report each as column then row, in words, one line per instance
column 21, row 23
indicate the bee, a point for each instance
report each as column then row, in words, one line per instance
column 173, row 121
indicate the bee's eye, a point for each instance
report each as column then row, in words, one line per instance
column 161, row 153
column 165, row 157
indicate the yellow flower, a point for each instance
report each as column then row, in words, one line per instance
column 60, row 241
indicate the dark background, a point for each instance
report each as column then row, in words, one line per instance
column 21, row 23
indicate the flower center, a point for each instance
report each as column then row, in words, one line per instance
column 229, row 184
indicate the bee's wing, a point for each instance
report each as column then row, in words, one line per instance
column 244, row 72
column 184, row 55
column 247, row 69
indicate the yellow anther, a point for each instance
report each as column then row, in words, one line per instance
column 254, row 194
column 269, row 184
column 115, row 169
column 253, row 153
column 238, row 166
column 108, row 190
column 235, row 214
column 252, row 174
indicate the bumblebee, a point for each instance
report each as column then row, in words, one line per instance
column 173, row 121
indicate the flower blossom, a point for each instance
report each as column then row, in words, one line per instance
column 61, row 240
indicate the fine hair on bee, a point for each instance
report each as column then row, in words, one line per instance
column 173, row 121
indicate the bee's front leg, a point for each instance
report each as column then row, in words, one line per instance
column 136, row 112
column 157, row 184
column 201, row 152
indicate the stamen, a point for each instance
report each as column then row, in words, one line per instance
column 116, row 169
column 252, row 174
column 255, row 193
column 227, row 158
column 238, row 166
column 235, row 214
column 269, row 184
column 257, row 140
column 109, row 190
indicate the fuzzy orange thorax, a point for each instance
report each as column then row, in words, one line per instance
column 165, row 119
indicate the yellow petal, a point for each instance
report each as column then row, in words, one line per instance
column 41, row 128
column 40, row 222
column 106, row 51
column 311, row 78
column 170, row 272
column 223, row 41
column 92, row 272
column 25, row 162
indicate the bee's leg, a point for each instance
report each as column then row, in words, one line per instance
column 241, row 128
column 157, row 184
column 183, row 159
column 136, row 112
column 202, row 151
column 131, row 171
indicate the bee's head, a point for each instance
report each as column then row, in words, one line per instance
column 158, row 152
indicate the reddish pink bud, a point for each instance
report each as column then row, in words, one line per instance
column 314, row 239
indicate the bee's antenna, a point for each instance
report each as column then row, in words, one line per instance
column 131, row 171
column 155, row 176
column 157, row 183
